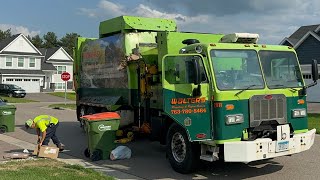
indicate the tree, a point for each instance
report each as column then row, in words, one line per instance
column 37, row 41
column 68, row 42
column 5, row 34
column 50, row 40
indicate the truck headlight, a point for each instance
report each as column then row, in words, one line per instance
column 299, row 113
column 234, row 119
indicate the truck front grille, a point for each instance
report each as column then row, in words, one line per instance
column 266, row 109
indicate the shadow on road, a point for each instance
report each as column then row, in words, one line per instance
column 149, row 160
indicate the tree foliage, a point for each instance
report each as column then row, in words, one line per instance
column 5, row 34
column 68, row 42
column 37, row 41
column 50, row 40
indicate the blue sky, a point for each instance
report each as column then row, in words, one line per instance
column 272, row 20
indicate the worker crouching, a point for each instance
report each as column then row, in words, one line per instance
column 47, row 125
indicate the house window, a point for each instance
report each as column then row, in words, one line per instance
column 32, row 62
column 60, row 69
column 20, row 61
column 60, row 85
column 8, row 61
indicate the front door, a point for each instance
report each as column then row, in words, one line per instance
column 185, row 102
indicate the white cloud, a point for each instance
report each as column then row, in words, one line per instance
column 273, row 20
column 18, row 29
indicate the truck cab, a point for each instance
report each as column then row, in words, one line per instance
column 239, row 100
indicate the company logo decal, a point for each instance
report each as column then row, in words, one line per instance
column 102, row 127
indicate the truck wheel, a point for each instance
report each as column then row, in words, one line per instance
column 182, row 154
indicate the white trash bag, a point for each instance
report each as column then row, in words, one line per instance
column 120, row 152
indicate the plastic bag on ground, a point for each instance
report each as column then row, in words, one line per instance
column 120, row 152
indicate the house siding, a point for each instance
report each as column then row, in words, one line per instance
column 308, row 50
column 15, row 62
column 20, row 45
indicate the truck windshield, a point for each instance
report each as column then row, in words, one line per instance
column 237, row 69
column 280, row 69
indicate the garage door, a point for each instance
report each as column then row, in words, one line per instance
column 30, row 85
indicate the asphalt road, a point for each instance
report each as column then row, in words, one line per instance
column 148, row 159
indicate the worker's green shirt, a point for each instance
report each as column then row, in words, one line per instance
column 43, row 121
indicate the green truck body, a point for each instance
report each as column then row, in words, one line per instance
column 208, row 93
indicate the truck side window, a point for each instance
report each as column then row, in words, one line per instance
column 180, row 70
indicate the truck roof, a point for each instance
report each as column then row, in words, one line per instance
column 131, row 23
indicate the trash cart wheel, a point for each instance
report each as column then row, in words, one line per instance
column 96, row 155
column 2, row 130
column 86, row 153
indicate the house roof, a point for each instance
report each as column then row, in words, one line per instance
column 301, row 34
column 20, row 71
column 20, row 53
column 44, row 65
column 59, row 60
column 303, row 30
column 49, row 52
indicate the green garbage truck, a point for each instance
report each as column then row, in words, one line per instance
column 205, row 96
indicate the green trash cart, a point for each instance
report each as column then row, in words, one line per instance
column 101, row 133
column 7, row 118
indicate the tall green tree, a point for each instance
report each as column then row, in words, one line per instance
column 37, row 41
column 5, row 34
column 50, row 40
column 68, row 42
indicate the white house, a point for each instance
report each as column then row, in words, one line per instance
column 22, row 64
column 55, row 62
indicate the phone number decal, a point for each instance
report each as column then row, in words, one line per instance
column 188, row 111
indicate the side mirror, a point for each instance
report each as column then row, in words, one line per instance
column 196, row 66
column 315, row 73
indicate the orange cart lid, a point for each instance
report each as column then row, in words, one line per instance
column 101, row 116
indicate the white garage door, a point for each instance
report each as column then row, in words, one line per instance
column 30, row 85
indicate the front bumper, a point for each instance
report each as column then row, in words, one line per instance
column 265, row 148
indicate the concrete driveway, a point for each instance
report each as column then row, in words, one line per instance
column 148, row 158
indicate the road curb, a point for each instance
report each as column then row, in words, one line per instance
column 71, row 160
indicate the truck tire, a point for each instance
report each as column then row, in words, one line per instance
column 182, row 154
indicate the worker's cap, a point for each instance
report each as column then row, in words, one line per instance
column 29, row 122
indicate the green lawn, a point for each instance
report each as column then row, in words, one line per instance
column 16, row 100
column 47, row 169
column 67, row 106
column 70, row 95
column 314, row 122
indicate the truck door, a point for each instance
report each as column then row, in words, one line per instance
column 186, row 94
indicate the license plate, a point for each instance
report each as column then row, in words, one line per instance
column 282, row 146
